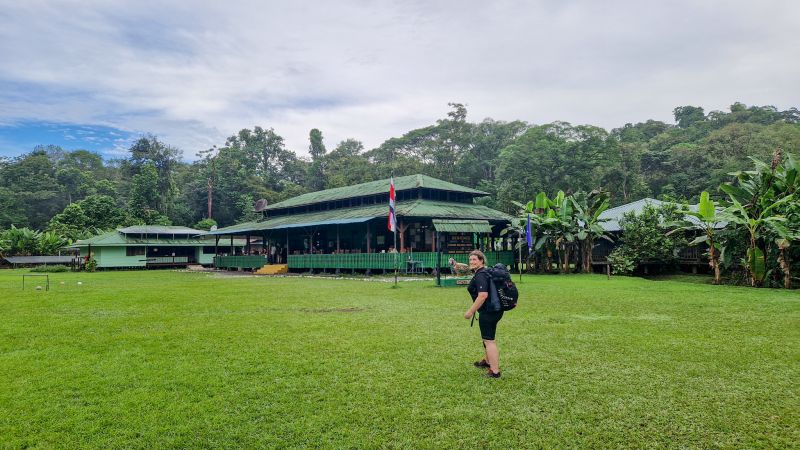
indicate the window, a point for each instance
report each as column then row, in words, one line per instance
column 134, row 251
column 208, row 250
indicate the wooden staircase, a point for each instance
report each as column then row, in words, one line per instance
column 273, row 269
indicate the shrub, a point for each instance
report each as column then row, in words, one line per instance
column 621, row 262
column 51, row 269
column 645, row 237
column 205, row 224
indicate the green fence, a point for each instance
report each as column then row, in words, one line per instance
column 239, row 262
column 418, row 261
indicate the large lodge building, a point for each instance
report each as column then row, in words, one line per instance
column 347, row 228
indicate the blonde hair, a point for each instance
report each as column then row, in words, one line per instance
column 478, row 254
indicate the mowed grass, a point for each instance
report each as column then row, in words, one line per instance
column 172, row 359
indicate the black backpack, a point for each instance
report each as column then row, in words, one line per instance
column 507, row 293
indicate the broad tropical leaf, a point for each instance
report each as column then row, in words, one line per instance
column 706, row 208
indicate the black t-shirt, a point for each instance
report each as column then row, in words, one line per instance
column 478, row 284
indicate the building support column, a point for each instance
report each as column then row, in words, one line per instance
column 401, row 227
column 216, row 250
column 369, row 240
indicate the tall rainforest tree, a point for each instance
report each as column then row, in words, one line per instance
column 145, row 197
column 89, row 216
column 316, row 170
column 149, row 153
column 556, row 154
column 347, row 165
column 265, row 154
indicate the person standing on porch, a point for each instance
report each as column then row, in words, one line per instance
column 489, row 313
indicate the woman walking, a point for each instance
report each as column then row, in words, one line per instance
column 489, row 313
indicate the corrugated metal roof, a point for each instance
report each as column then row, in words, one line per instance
column 462, row 226
column 325, row 222
column 159, row 229
column 372, row 188
column 117, row 239
column 413, row 208
column 615, row 214
column 39, row 259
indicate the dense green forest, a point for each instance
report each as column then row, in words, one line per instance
column 75, row 193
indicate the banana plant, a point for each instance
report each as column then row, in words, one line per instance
column 756, row 226
column 783, row 260
column 707, row 223
column 760, row 200
column 49, row 243
column 3, row 243
column 565, row 225
column 517, row 228
column 21, row 241
column 587, row 210
column 545, row 222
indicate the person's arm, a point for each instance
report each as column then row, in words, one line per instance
column 482, row 296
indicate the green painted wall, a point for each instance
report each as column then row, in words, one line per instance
column 108, row 257
column 202, row 258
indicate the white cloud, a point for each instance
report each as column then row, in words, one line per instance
column 195, row 73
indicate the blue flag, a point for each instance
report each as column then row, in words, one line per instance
column 528, row 234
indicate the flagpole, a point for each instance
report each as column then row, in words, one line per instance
column 529, row 240
column 393, row 223
column 395, row 253
column 520, row 259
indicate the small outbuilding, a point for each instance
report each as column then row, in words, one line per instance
column 150, row 246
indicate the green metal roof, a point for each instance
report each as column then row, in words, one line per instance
column 159, row 229
column 462, row 226
column 117, row 239
column 372, row 188
column 413, row 208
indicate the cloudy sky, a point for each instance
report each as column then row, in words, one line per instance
column 97, row 74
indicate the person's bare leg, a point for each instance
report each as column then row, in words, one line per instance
column 492, row 355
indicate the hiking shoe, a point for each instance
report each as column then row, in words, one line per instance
column 482, row 364
column 490, row 374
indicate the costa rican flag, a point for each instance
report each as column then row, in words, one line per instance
column 392, row 218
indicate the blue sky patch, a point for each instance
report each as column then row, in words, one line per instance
column 22, row 137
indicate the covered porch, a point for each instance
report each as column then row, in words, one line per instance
column 416, row 262
column 358, row 239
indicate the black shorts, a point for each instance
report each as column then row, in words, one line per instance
column 487, row 321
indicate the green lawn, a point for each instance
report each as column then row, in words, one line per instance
column 169, row 359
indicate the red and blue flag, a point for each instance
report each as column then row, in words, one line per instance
column 528, row 234
column 392, row 218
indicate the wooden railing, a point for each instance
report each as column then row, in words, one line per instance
column 240, row 262
column 417, row 261
column 165, row 260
